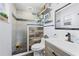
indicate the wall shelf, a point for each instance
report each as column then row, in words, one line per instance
column 45, row 11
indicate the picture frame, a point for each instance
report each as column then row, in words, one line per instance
column 3, row 13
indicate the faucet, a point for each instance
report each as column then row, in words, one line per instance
column 69, row 36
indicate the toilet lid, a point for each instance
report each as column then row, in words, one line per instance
column 37, row 46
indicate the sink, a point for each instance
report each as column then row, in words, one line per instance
column 66, row 46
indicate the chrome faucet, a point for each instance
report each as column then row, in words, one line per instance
column 69, row 36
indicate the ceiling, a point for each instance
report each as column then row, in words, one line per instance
column 34, row 7
column 27, row 10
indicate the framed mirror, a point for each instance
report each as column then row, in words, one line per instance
column 67, row 17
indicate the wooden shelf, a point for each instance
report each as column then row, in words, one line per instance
column 45, row 9
column 42, row 11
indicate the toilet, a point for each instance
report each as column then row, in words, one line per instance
column 38, row 48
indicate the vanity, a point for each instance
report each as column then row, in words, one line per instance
column 54, row 47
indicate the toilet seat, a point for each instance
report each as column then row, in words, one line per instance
column 37, row 47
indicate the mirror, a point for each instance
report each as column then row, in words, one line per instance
column 67, row 17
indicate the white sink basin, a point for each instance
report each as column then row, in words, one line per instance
column 68, row 47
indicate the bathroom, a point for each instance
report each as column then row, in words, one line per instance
column 36, row 29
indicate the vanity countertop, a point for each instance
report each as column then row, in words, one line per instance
column 68, row 47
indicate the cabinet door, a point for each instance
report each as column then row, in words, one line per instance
column 49, row 51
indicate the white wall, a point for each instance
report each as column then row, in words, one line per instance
column 6, row 35
column 13, row 11
column 5, row 38
column 50, row 31
column 21, row 32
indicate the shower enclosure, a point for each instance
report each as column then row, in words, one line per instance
column 24, row 36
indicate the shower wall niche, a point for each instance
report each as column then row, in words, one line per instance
column 34, row 35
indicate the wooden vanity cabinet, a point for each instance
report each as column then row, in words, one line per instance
column 51, row 50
